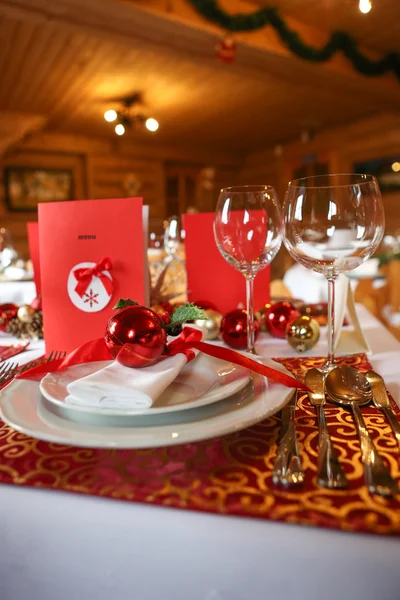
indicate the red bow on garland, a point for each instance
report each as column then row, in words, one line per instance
column 84, row 277
column 96, row 350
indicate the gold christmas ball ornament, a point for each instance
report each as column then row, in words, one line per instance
column 260, row 315
column 303, row 333
column 25, row 313
column 212, row 324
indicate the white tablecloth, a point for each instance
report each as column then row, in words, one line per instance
column 63, row 546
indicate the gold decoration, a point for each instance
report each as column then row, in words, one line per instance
column 260, row 315
column 31, row 330
column 303, row 333
column 167, row 282
column 212, row 324
column 158, row 309
column 25, row 313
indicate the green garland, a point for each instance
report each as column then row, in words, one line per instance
column 339, row 41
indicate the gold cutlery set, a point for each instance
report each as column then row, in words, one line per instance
column 348, row 387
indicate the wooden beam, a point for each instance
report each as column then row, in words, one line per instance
column 174, row 26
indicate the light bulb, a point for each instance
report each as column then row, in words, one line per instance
column 110, row 115
column 396, row 166
column 152, row 124
column 119, row 129
column 365, row 6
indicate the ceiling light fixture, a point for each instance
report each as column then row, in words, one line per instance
column 365, row 6
column 119, row 129
column 130, row 115
column 110, row 115
column 152, row 124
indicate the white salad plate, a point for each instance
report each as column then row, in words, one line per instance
column 202, row 381
column 23, row 407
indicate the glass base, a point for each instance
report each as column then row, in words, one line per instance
column 328, row 366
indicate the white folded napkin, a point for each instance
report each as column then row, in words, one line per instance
column 117, row 386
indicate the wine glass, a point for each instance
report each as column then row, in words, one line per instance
column 173, row 236
column 332, row 224
column 247, row 228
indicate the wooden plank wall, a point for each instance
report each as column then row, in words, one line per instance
column 102, row 168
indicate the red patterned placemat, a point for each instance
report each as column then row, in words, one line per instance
column 229, row 475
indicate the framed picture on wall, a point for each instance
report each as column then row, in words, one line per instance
column 25, row 187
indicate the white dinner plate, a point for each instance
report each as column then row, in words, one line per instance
column 202, row 381
column 23, row 408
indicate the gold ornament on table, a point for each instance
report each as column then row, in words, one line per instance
column 303, row 333
column 260, row 314
column 25, row 313
column 212, row 324
column 24, row 328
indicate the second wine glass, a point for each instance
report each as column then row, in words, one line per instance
column 332, row 224
column 247, row 232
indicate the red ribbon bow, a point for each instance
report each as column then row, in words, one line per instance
column 84, row 277
column 184, row 343
column 96, row 350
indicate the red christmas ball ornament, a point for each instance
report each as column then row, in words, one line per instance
column 234, row 329
column 226, row 49
column 278, row 317
column 135, row 336
column 7, row 312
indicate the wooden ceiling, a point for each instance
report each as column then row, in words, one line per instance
column 67, row 61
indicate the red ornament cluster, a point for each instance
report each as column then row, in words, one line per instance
column 136, row 335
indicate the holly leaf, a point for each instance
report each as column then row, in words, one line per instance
column 187, row 312
column 124, row 303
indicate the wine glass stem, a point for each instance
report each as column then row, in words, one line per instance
column 250, row 314
column 331, row 321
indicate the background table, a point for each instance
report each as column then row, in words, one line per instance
column 17, row 292
column 66, row 546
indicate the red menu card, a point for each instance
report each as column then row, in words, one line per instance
column 209, row 277
column 92, row 253
column 33, row 241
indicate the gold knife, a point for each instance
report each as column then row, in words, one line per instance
column 287, row 471
column 381, row 401
column 330, row 473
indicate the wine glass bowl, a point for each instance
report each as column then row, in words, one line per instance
column 332, row 224
column 247, row 230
